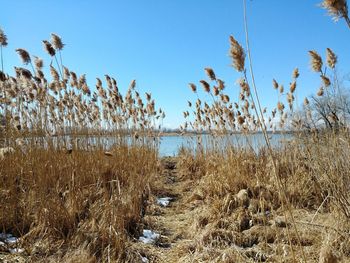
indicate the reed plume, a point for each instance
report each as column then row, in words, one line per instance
column 3, row 38
column 205, row 85
column 320, row 92
column 293, row 86
column 193, row 87
column 337, row 9
column 56, row 42
column 49, row 49
column 210, row 72
column 38, row 62
column 237, row 54
column 325, row 81
column 275, row 84
column 281, row 89
column 316, row 61
column 24, row 55
column 2, row 76
column 331, row 58
column 295, row 73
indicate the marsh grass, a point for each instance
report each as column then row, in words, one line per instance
column 303, row 180
column 59, row 203
column 64, row 191
column 72, row 198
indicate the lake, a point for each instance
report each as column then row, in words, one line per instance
column 170, row 145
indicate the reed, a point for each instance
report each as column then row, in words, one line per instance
column 79, row 165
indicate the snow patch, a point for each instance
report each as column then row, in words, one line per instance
column 164, row 201
column 144, row 259
column 16, row 250
column 9, row 241
column 149, row 237
column 7, row 238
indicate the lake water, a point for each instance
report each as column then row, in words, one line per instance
column 170, row 145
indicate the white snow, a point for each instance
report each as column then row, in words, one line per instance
column 149, row 237
column 16, row 250
column 8, row 238
column 164, row 201
column 144, row 259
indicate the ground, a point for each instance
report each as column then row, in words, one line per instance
column 193, row 228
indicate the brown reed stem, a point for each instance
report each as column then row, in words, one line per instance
column 2, row 59
column 4, row 94
column 59, row 52
column 263, row 127
column 347, row 19
column 59, row 68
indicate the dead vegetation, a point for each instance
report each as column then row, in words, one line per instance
column 72, row 196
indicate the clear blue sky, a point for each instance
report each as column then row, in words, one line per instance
column 165, row 44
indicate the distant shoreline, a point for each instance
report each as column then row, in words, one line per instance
column 169, row 134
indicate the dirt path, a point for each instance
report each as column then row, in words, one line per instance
column 173, row 221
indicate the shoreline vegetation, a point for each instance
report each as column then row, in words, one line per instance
column 92, row 202
column 156, row 133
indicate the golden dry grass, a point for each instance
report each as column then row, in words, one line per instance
column 82, row 204
column 72, row 197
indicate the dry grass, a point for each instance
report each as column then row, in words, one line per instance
column 85, row 202
column 242, row 208
column 72, row 197
column 69, row 193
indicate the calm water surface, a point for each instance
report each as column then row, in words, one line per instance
column 170, row 145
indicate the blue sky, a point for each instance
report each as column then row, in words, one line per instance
column 165, row 44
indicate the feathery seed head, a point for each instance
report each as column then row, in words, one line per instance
column 2, row 76
column 210, row 73
column 193, row 87
column 56, row 42
column 99, row 83
column 38, row 62
column 331, row 58
column 281, row 89
column 24, row 73
column 241, row 96
column 325, row 81
column 240, row 120
column 54, row 73
column 216, row 90
column 320, row 92
column 280, row 106
column 275, row 84
column 24, row 55
column 3, row 38
column 336, row 8
column 245, row 89
column 221, row 84
column 66, row 73
column 295, row 73
column 132, row 84
column 316, row 61
column 148, row 96
column 49, row 49
column 237, row 54
column 293, row 86
column 205, row 85
column 225, row 98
